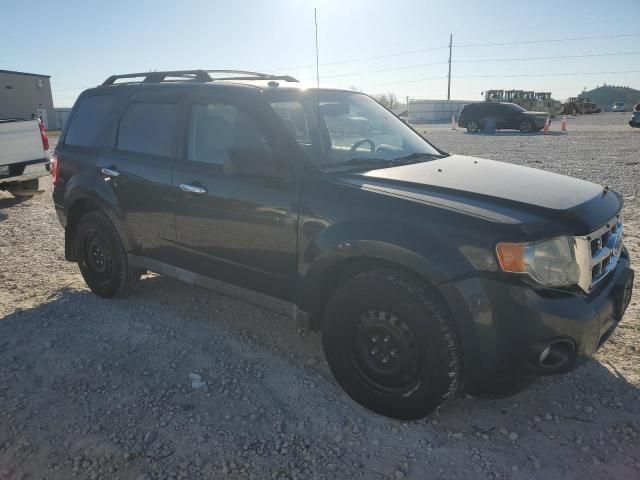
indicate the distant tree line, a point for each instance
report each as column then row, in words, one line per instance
column 389, row 100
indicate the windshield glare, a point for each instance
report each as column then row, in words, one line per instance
column 352, row 126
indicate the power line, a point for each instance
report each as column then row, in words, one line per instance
column 485, row 60
column 560, row 74
column 525, row 59
column 411, row 81
column 467, row 45
column 377, row 57
column 405, row 67
column 529, row 42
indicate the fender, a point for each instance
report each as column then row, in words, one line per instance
column 414, row 248
column 85, row 187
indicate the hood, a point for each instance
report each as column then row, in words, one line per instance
column 537, row 114
column 498, row 186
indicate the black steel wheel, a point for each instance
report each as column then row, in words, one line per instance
column 102, row 258
column 390, row 344
column 526, row 126
column 384, row 350
column 473, row 126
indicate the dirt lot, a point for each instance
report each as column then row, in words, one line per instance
column 178, row 382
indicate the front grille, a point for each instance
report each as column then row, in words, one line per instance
column 598, row 253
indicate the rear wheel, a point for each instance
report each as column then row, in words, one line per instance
column 390, row 344
column 473, row 126
column 102, row 258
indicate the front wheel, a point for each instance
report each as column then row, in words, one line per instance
column 390, row 344
column 102, row 257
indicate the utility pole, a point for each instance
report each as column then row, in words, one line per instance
column 449, row 76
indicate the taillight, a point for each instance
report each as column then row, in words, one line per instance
column 55, row 168
column 43, row 134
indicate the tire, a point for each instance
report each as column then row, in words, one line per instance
column 391, row 345
column 473, row 126
column 527, row 126
column 102, row 257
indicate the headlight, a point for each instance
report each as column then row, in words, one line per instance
column 550, row 263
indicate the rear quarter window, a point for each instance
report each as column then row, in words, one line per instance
column 149, row 128
column 88, row 120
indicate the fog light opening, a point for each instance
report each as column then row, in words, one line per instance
column 556, row 355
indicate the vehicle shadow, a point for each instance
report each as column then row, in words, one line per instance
column 517, row 134
column 133, row 357
column 6, row 202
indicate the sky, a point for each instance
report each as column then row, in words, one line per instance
column 376, row 46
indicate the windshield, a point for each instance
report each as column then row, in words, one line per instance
column 354, row 129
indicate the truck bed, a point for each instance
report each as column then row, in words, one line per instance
column 20, row 141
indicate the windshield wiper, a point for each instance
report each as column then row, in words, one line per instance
column 373, row 163
column 415, row 158
column 360, row 162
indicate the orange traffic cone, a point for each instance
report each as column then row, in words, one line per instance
column 453, row 122
column 563, row 125
column 545, row 129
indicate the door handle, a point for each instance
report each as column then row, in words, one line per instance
column 187, row 187
column 110, row 172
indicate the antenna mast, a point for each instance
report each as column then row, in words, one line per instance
column 315, row 20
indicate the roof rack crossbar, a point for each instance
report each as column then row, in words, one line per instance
column 196, row 76
column 247, row 75
column 157, row 77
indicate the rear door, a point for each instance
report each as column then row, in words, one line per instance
column 512, row 117
column 236, row 228
column 495, row 112
column 138, row 166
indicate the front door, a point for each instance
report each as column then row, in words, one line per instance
column 239, row 228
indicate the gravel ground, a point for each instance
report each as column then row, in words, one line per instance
column 178, row 382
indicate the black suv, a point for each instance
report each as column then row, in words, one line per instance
column 423, row 270
column 507, row 116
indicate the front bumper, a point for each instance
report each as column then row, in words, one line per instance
column 504, row 327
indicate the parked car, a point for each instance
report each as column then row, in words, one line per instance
column 635, row 119
column 507, row 116
column 24, row 155
column 618, row 107
column 423, row 270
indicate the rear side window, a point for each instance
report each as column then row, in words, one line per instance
column 88, row 120
column 149, row 128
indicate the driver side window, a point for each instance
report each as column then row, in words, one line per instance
column 215, row 129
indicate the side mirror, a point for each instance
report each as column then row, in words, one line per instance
column 253, row 162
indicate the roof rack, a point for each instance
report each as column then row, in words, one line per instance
column 244, row 75
column 195, row 76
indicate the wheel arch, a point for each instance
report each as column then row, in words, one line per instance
column 328, row 271
column 84, row 201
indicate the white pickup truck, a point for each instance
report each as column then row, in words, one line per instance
column 24, row 156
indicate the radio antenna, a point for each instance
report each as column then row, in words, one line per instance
column 315, row 20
